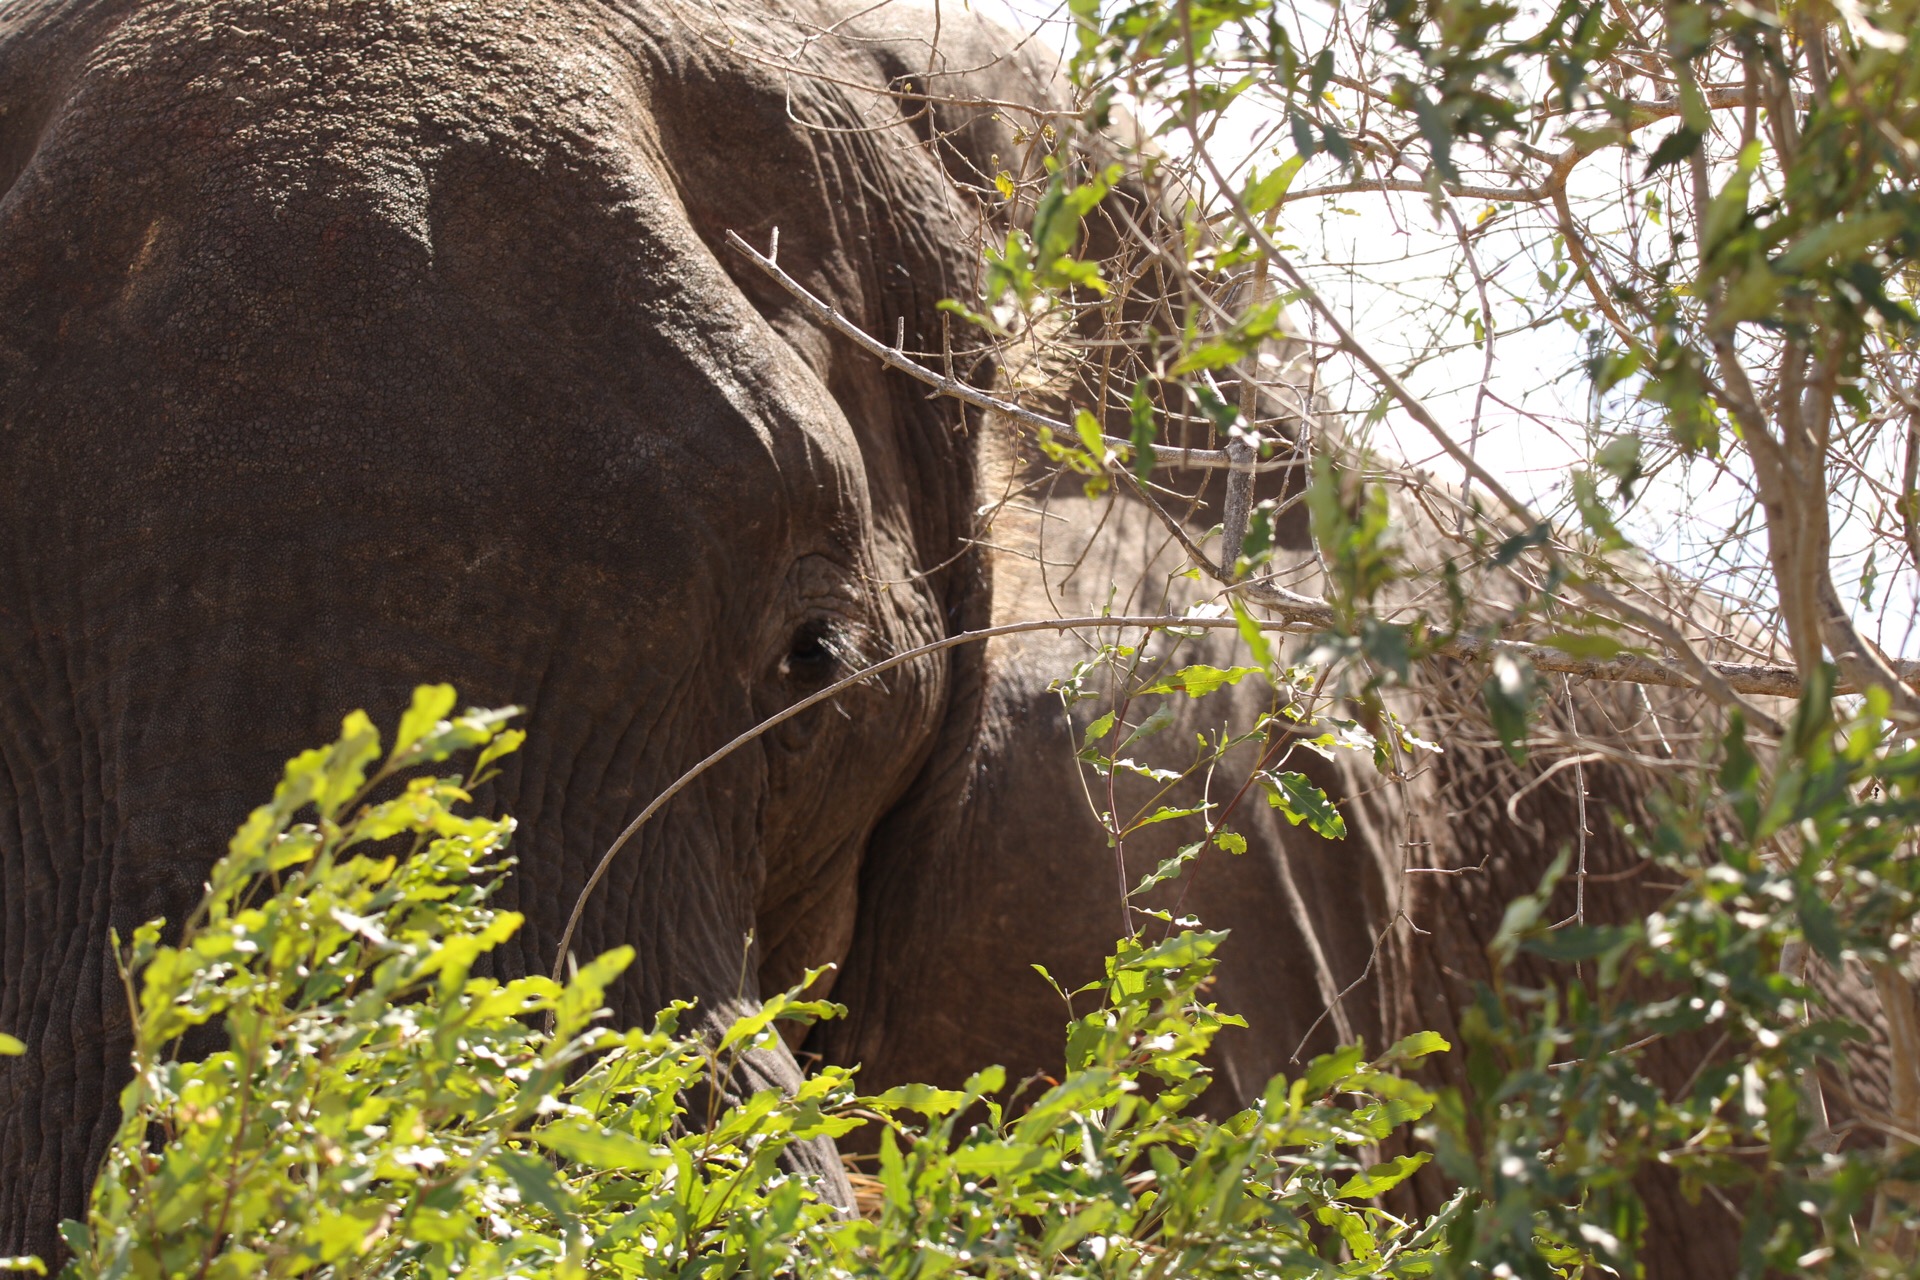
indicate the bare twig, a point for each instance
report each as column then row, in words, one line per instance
column 893, row 357
column 1333, row 1005
column 1710, row 680
column 1295, row 609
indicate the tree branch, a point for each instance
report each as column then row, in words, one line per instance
column 1710, row 680
column 895, row 358
column 1749, row 678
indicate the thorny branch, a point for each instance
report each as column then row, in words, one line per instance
column 1747, row 677
column 1299, row 611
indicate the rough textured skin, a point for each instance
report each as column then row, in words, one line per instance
column 939, row 980
column 1028, row 876
column 349, row 344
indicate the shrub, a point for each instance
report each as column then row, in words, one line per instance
column 379, row 1110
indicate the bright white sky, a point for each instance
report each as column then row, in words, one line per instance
column 1377, row 258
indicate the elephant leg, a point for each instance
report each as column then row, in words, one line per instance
column 816, row 1159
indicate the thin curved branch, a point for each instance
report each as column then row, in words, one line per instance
column 895, row 358
column 1305, row 616
column 1711, row 681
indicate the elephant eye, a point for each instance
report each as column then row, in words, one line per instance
column 813, row 655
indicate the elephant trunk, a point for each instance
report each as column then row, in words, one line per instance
column 130, row 752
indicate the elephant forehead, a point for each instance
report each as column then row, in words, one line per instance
column 317, row 245
column 319, row 91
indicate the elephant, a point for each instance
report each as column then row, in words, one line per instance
column 351, row 345
column 347, row 347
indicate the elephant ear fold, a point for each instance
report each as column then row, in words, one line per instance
column 974, row 91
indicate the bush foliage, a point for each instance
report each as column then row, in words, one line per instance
column 381, row 1106
column 379, row 1109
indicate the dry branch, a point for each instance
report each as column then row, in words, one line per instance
column 894, row 357
column 1294, row 610
column 1749, row 678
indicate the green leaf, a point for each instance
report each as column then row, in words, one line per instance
column 1258, row 542
column 1065, row 272
column 1584, row 644
column 1251, row 634
column 1388, row 644
column 1620, row 458
column 1166, row 813
column 1160, row 719
column 343, row 769
column 1215, row 354
column 1673, row 148
column 1352, row 1229
column 1082, row 1090
column 1179, row 951
column 1331, row 1070
column 1138, row 769
column 1058, row 213
column 1199, row 680
column 335, row 1233
column 536, row 1182
column 1609, row 369
column 504, row 744
column 1221, row 412
column 475, row 728
column 1509, row 693
column 1574, row 943
column 1522, row 915
column 1729, row 208
column 1145, row 429
column 1299, row 800
column 1088, row 428
column 992, row 1079
column 1232, row 841
column 10, row 1047
column 1382, row 1178
column 1840, row 237
column 585, row 993
column 1267, row 191
column 601, row 1148
column 1097, row 730
column 1409, row 1052
column 1740, row 776
column 431, row 704
column 926, row 1099
column 1594, row 514
column 1169, row 868
column 997, row 1159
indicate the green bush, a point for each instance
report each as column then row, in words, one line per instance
column 378, row 1110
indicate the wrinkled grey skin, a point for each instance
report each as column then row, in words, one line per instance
column 350, row 345
column 345, row 346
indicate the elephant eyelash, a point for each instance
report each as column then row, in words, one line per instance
column 819, row 649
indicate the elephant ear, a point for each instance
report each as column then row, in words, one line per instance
column 936, row 71
column 972, row 90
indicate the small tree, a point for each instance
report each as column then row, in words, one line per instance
column 1709, row 213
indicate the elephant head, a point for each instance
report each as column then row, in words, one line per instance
column 348, row 344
